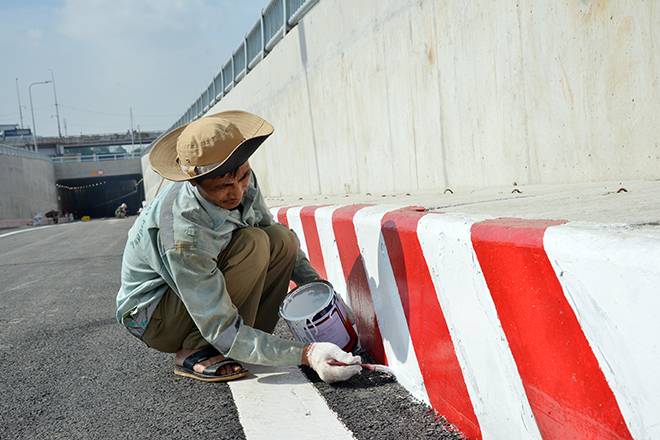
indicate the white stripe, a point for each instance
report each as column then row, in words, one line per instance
column 490, row 372
column 279, row 403
column 331, row 260
column 293, row 216
column 611, row 278
column 26, row 230
column 387, row 302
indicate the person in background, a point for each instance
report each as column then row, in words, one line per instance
column 206, row 267
column 144, row 205
column 121, row 211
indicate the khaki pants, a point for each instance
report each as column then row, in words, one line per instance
column 257, row 266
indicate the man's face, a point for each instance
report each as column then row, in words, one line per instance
column 225, row 191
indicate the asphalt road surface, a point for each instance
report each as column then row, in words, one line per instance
column 70, row 371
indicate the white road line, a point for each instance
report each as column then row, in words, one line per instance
column 26, row 230
column 279, row 403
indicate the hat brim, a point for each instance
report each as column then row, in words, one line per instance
column 163, row 155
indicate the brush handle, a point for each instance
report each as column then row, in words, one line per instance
column 372, row 367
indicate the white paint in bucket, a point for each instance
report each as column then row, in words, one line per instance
column 315, row 314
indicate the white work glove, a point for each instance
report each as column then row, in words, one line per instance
column 320, row 353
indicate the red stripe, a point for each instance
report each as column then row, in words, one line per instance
column 282, row 217
column 357, row 285
column 314, row 252
column 443, row 377
column 566, row 389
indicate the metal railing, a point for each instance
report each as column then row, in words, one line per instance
column 96, row 157
column 275, row 21
column 12, row 151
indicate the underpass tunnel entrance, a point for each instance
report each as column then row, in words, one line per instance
column 99, row 197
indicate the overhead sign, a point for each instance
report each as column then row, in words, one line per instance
column 18, row 132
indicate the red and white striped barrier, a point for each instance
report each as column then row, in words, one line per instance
column 516, row 329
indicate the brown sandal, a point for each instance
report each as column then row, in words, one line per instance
column 210, row 372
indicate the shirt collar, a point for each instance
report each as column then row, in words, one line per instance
column 218, row 215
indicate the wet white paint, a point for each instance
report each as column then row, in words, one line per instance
column 609, row 275
column 293, row 216
column 489, row 370
column 611, row 278
column 391, row 318
column 306, row 301
column 331, row 259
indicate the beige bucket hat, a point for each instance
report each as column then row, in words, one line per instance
column 216, row 144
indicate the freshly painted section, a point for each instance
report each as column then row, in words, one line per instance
column 279, row 403
column 546, row 330
column 565, row 386
column 611, row 279
column 312, row 241
column 357, row 283
column 435, row 350
column 397, row 343
column 282, row 215
column 490, row 372
column 330, row 250
column 294, row 222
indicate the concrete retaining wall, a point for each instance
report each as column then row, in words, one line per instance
column 403, row 96
column 28, row 188
column 509, row 328
column 107, row 168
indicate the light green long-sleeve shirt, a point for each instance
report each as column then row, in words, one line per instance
column 175, row 242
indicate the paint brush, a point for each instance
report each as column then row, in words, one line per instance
column 372, row 367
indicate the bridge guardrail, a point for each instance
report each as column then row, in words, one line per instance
column 12, row 151
column 96, row 157
column 275, row 21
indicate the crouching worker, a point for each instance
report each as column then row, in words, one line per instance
column 121, row 211
column 206, row 266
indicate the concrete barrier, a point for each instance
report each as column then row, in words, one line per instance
column 510, row 328
column 28, row 188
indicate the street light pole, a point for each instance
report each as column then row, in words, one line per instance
column 132, row 138
column 57, row 111
column 34, row 126
column 20, row 110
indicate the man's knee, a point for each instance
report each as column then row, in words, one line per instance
column 249, row 244
column 282, row 241
column 254, row 235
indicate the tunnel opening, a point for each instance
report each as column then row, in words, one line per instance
column 99, row 197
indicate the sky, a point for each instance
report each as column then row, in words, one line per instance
column 109, row 58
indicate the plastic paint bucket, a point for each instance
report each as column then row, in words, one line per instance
column 314, row 313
